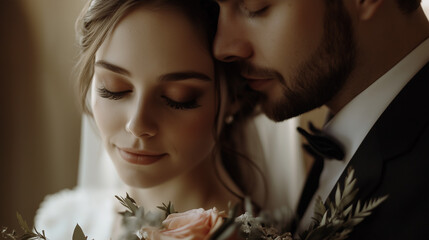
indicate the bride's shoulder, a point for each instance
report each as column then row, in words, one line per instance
column 59, row 213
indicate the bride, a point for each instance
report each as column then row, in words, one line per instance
column 164, row 112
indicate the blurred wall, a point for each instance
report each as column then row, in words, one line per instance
column 40, row 119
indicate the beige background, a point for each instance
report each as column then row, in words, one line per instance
column 40, row 119
column 39, row 113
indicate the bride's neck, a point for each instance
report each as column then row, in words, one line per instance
column 198, row 188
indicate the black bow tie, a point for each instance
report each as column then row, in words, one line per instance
column 322, row 144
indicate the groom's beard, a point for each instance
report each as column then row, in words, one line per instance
column 318, row 79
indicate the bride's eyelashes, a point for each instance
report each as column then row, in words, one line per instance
column 254, row 8
column 256, row 13
column 181, row 105
column 104, row 93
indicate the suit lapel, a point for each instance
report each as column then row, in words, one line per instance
column 394, row 133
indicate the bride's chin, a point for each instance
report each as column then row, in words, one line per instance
column 138, row 179
column 140, row 183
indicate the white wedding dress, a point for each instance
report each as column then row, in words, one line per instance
column 274, row 147
column 92, row 209
column 92, row 203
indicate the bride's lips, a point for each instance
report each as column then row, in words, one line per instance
column 139, row 157
column 258, row 83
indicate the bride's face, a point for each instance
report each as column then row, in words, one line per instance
column 153, row 96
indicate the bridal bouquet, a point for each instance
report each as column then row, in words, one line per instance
column 333, row 220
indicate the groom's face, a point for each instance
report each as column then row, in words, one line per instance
column 297, row 53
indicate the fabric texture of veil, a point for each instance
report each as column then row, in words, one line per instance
column 96, row 170
column 276, row 148
column 92, row 203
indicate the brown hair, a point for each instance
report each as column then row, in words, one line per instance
column 232, row 139
column 408, row 6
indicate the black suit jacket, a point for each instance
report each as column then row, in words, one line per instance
column 393, row 160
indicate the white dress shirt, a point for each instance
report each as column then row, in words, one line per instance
column 353, row 122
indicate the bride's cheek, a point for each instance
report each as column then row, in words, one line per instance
column 200, row 129
column 106, row 116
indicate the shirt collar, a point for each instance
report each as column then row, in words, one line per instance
column 353, row 122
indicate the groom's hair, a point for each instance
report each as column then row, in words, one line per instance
column 408, row 6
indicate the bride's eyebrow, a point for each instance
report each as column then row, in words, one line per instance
column 112, row 67
column 177, row 76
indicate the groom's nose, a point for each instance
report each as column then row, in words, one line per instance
column 231, row 43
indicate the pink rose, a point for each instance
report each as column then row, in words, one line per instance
column 195, row 224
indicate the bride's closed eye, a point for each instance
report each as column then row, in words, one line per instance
column 104, row 93
column 181, row 105
column 256, row 13
column 180, row 96
column 254, row 8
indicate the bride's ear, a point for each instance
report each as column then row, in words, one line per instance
column 230, row 112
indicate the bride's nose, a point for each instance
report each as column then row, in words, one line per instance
column 141, row 122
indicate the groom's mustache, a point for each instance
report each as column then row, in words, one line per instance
column 252, row 71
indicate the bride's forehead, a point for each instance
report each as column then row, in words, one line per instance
column 155, row 42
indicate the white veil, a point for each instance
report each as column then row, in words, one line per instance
column 96, row 170
column 91, row 204
column 276, row 149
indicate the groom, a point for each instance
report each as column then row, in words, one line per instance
column 368, row 62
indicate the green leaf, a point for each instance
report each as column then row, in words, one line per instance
column 338, row 195
column 323, row 222
column 349, row 186
column 131, row 199
column 168, row 209
column 130, row 204
column 340, row 217
column 373, row 203
column 23, row 223
column 226, row 233
column 40, row 235
column 78, row 233
column 349, row 177
column 319, row 210
column 348, row 199
column 348, row 210
column 356, row 220
column 320, row 233
column 357, row 210
column 228, row 226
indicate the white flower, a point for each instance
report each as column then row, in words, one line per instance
column 247, row 222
